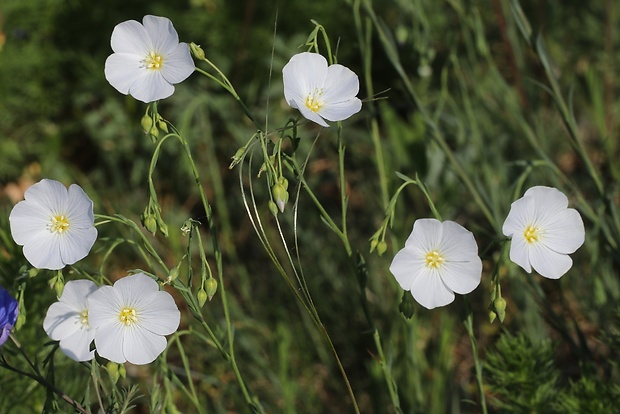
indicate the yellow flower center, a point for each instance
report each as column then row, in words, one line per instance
column 128, row 316
column 59, row 224
column 532, row 234
column 314, row 101
column 84, row 319
column 434, row 259
column 154, row 60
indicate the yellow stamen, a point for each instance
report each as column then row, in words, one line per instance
column 59, row 224
column 128, row 316
column 434, row 259
column 532, row 234
column 314, row 101
column 154, row 60
column 84, row 318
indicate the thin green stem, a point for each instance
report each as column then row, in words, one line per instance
column 468, row 322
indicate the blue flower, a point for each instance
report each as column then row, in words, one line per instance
column 8, row 314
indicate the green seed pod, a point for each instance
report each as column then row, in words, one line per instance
column 202, row 297
column 373, row 245
column 147, row 123
column 150, row 223
column 59, row 286
column 381, row 247
column 407, row 307
column 492, row 316
column 211, row 287
column 273, row 208
column 280, row 196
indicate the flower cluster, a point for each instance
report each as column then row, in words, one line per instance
column 442, row 258
column 127, row 321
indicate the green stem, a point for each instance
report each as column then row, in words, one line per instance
column 468, row 322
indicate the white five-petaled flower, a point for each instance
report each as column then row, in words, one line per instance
column 131, row 319
column 544, row 232
column 319, row 91
column 439, row 258
column 55, row 225
column 148, row 59
column 67, row 320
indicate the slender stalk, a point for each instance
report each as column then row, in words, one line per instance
column 469, row 326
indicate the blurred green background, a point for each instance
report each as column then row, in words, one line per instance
column 484, row 88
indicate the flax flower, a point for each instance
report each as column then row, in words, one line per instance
column 319, row 91
column 67, row 320
column 132, row 318
column 439, row 258
column 55, row 225
column 8, row 314
column 544, row 232
column 148, row 59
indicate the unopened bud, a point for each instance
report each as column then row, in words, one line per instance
column 280, row 196
column 122, row 371
column 174, row 273
column 21, row 320
column 202, row 297
column 273, row 208
column 150, row 223
column 112, row 368
column 237, row 157
column 197, row 51
column 500, row 308
column 492, row 316
column 211, row 287
column 59, row 286
column 154, row 132
column 147, row 123
column 163, row 126
column 32, row 272
column 381, row 247
column 284, row 182
column 373, row 244
column 407, row 307
column 163, row 227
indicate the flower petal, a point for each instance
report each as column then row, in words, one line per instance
column 178, row 64
column 151, row 86
column 406, row 266
column 131, row 37
column 61, row 321
column 520, row 253
column 341, row 110
column 302, row 75
column 462, row 277
column 564, row 232
column 104, row 306
column 429, row 290
column 109, row 342
column 122, row 70
column 141, row 346
column 75, row 244
column 43, row 251
column 77, row 346
column 457, row 244
column 341, row 84
column 28, row 219
column 159, row 314
column 520, row 216
column 548, row 263
column 161, row 33
column 310, row 115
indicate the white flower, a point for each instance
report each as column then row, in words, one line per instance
column 54, row 225
column 544, row 231
column 67, row 320
column 148, row 59
column 132, row 318
column 438, row 259
column 318, row 91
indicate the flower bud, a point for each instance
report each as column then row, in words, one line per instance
column 154, row 132
column 492, row 316
column 407, row 307
column 197, row 51
column 500, row 308
column 150, row 223
column 163, row 126
column 284, row 182
column 21, row 320
column 33, row 271
column 237, row 157
column 381, row 247
column 202, row 297
column 163, row 227
column 211, row 287
column 373, row 245
column 122, row 371
column 273, row 208
column 174, row 273
column 59, row 286
column 112, row 368
column 147, row 123
column 280, row 196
